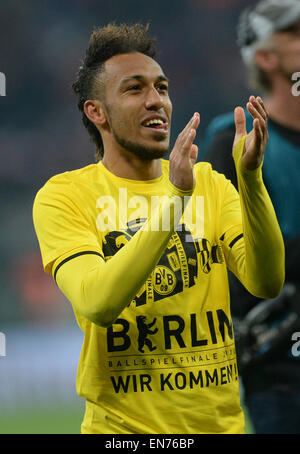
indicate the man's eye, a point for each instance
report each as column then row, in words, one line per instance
column 134, row 87
column 162, row 87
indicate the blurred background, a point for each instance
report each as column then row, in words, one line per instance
column 41, row 134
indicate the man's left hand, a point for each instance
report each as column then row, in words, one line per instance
column 256, row 140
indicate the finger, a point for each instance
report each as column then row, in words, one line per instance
column 194, row 153
column 256, row 114
column 185, row 139
column 240, row 122
column 188, row 125
column 263, row 106
column 193, row 123
column 196, row 120
column 259, row 106
column 186, row 148
column 263, row 126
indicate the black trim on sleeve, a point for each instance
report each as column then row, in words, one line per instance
column 73, row 257
column 235, row 240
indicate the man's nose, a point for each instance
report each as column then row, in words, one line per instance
column 153, row 99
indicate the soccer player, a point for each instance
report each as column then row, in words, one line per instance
column 140, row 245
column 269, row 40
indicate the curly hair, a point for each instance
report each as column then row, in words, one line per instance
column 104, row 43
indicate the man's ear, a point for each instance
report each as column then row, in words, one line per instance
column 266, row 60
column 95, row 112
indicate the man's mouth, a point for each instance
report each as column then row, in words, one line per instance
column 158, row 125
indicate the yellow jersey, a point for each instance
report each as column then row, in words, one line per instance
column 167, row 364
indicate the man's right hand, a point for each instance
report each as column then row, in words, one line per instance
column 184, row 156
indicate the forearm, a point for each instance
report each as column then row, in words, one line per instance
column 261, row 267
column 100, row 290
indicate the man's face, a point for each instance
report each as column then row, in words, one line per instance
column 287, row 49
column 138, row 105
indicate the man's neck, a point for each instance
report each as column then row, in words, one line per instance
column 283, row 107
column 127, row 165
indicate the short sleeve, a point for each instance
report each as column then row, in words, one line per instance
column 62, row 225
